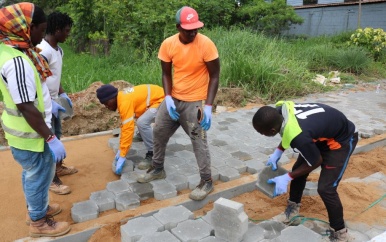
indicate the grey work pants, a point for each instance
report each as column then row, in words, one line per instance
column 190, row 115
column 144, row 127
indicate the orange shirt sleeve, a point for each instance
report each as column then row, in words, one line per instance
column 126, row 113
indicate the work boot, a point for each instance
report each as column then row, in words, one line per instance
column 290, row 214
column 52, row 210
column 146, row 163
column 338, row 236
column 63, row 170
column 152, row 174
column 48, row 227
column 202, row 190
column 137, row 138
column 58, row 187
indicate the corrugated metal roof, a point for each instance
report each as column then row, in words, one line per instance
column 338, row 4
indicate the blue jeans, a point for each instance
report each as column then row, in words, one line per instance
column 38, row 172
column 56, row 124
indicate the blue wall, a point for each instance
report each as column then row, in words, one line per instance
column 336, row 19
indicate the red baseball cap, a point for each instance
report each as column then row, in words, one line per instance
column 187, row 17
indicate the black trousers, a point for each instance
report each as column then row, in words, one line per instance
column 333, row 167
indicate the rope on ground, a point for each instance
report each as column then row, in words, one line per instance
column 370, row 206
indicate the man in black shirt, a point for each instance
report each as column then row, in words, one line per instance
column 322, row 136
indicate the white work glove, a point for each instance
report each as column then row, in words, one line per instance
column 207, row 120
column 274, row 158
column 281, row 184
column 57, row 149
column 120, row 164
column 171, row 107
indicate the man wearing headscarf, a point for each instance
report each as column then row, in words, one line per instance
column 26, row 118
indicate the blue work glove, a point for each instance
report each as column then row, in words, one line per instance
column 207, row 120
column 281, row 184
column 56, row 108
column 171, row 108
column 57, row 149
column 120, row 163
column 117, row 155
column 66, row 97
column 274, row 158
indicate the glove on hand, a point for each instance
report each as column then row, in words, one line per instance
column 66, row 97
column 56, row 108
column 57, row 149
column 281, row 184
column 120, row 163
column 274, row 158
column 171, row 108
column 207, row 120
column 117, row 155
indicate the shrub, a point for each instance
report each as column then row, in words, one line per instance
column 372, row 39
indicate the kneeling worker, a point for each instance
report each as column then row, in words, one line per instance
column 139, row 102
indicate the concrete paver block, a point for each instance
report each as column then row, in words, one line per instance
column 104, row 199
column 229, row 220
column 187, row 170
column 228, row 173
column 164, row 236
column 254, row 166
column 192, row 230
column 193, row 181
column 127, row 167
column 131, row 177
column 254, row 233
column 212, row 239
column 118, row 187
column 263, row 177
column 127, row 200
column 171, row 216
column 215, row 174
column 178, row 180
column 272, row 229
column 298, row 233
column 135, row 228
column 311, row 189
column 144, row 190
column 236, row 164
column 165, row 191
column 83, row 211
column 242, row 155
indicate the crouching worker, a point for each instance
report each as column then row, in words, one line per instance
column 322, row 136
column 139, row 102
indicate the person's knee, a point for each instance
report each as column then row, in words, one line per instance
column 324, row 191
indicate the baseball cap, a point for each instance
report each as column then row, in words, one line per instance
column 187, row 17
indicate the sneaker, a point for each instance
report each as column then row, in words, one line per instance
column 48, row 227
column 137, row 138
column 202, row 190
column 146, row 163
column 290, row 214
column 58, row 187
column 63, row 170
column 338, row 236
column 52, row 210
column 152, row 174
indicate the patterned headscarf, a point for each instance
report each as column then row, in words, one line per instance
column 15, row 22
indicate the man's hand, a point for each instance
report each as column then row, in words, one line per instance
column 207, row 120
column 57, row 149
column 117, row 155
column 67, row 98
column 56, row 108
column 274, row 158
column 281, row 184
column 171, row 108
column 120, row 163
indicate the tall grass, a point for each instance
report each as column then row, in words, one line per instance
column 272, row 68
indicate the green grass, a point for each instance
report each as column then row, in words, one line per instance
column 271, row 68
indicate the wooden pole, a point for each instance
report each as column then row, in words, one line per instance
column 359, row 13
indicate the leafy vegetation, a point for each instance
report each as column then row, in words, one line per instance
column 372, row 39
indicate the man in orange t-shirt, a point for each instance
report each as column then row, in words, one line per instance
column 188, row 96
column 134, row 103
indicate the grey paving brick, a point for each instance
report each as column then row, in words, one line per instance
column 185, row 154
column 311, row 189
column 171, row 216
column 254, row 166
column 241, row 155
column 357, row 236
column 178, row 180
column 228, row 173
column 118, row 187
column 144, row 190
column 215, row 174
column 136, row 228
column 193, row 181
column 113, row 142
column 192, row 230
column 175, row 161
column 165, row 191
column 264, row 175
column 104, row 199
column 212, row 239
column 254, row 233
column 83, row 211
column 237, row 164
column 229, row 220
column 187, row 170
column 127, row 200
column 272, row 229
column 298, row 233
column 164, row 236
column 131, row 177
column 128, row 166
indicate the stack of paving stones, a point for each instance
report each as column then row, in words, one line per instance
column 235, row 148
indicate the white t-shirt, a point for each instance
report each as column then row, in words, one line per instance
column 18, row 76
column 55, row 61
